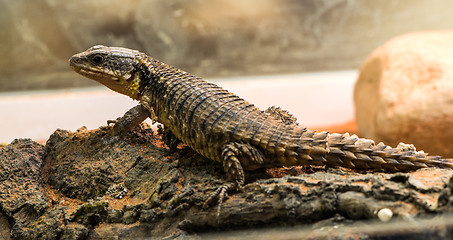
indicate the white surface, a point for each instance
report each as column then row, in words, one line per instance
column 316, row 99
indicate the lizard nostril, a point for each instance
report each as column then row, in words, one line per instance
column 75, row 60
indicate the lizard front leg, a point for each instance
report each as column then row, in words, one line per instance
column 131, row 118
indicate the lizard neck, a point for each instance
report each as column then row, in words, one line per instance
column 133, row 88
column 159, row 87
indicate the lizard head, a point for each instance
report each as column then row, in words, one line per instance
column 114, row 67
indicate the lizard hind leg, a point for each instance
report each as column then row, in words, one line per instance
column 238, row 156
column 235, row 156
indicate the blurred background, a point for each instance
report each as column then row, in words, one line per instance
column 295, row 44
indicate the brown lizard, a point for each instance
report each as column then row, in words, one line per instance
column 223, row 127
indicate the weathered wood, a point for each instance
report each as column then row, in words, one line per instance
column 97, row 184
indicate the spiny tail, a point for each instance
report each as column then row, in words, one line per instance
column 363, row 154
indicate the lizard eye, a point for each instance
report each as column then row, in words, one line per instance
column 97, row 59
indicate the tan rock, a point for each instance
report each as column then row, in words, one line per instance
column 404, row 92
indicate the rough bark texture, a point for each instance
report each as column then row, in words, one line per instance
column 92, row 184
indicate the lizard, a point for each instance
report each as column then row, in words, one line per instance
column 225, row 128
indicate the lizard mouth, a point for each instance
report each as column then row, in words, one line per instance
column 90, row 73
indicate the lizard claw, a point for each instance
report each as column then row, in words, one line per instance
column 118, row 126
column 113, row 121
column 221, row 193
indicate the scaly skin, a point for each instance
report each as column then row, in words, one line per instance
column 223, row 127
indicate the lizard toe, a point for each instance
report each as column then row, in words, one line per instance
column 220, row 194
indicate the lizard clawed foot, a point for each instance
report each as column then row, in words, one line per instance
column 119, row 126
column 221, row 193
column 129, row 120
column 113, row 121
